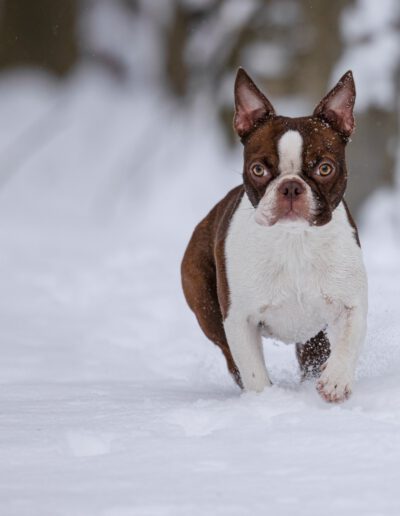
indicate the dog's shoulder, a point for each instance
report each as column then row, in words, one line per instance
column 205, row 254
column 213, row 227
column 224, row 211
column 351, row 221
column 211, row 231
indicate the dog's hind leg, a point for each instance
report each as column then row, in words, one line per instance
column 210, row 319
column 203, row 278
column 208, row 313
column 312, row 355
column 200, row 289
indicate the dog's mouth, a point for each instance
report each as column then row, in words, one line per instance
column 285, row 213
column 292, row 218
column 292, row 213
column 289, row 203
column 291, row 210
column 289, row 217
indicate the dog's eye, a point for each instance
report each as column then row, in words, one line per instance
column 258, row 170
column 325, row 169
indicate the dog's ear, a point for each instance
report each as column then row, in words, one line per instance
column 337, row 106
column 251, row 106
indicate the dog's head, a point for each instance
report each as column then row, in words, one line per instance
column 294, row 168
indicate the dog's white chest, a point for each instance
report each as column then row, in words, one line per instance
column 295, row 312
column 291, row 281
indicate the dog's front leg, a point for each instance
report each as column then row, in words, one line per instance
column 346, row 335
column 245, row 343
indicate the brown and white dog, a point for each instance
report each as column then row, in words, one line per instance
column 279, row 256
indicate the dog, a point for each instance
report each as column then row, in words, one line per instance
column 280, row 255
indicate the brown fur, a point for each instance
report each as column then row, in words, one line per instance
column 352, row 223
column 312, row 355
column 204, row 277
column 320, row 140
column 325, row 135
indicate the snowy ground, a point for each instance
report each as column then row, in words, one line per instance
column 112, row 402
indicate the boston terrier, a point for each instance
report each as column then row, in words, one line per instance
column 279, row 256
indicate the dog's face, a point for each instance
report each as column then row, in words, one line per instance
column 294, row 168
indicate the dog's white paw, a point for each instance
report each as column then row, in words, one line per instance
column 335, row 382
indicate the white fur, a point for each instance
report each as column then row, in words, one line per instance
column 290, row 283
column 290, row 148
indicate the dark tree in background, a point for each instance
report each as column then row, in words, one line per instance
column 40, row 33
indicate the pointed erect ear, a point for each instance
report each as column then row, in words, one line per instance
column 251, row 106
column 337, row 106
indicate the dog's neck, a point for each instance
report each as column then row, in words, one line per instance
column 294, row 229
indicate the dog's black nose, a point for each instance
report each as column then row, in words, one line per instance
column 291, row 188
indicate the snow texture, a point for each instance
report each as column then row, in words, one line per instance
column 112, row 401
column 373, row 51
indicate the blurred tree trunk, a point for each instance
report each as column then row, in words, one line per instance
column 371, row 154
column 39, row 33
column 313, row 67
column 176, row 40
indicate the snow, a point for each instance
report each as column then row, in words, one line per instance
column 112, row 402
column 372, row 52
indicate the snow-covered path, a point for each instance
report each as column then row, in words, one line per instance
column 112, row 402
column 124, row 448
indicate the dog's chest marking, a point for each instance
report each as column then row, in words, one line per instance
column 291, row 281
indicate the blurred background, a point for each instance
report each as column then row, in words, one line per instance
column 116, row 139
column 91, row 56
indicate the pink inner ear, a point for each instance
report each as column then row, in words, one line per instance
column 251, row 106
column 245, row 120
column 341, row 104
column 250, row 102
column 250, row 109
column 346, row 119
column 338, row 100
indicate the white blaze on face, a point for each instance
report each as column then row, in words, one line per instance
column 290, row 152
column 290, row 149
